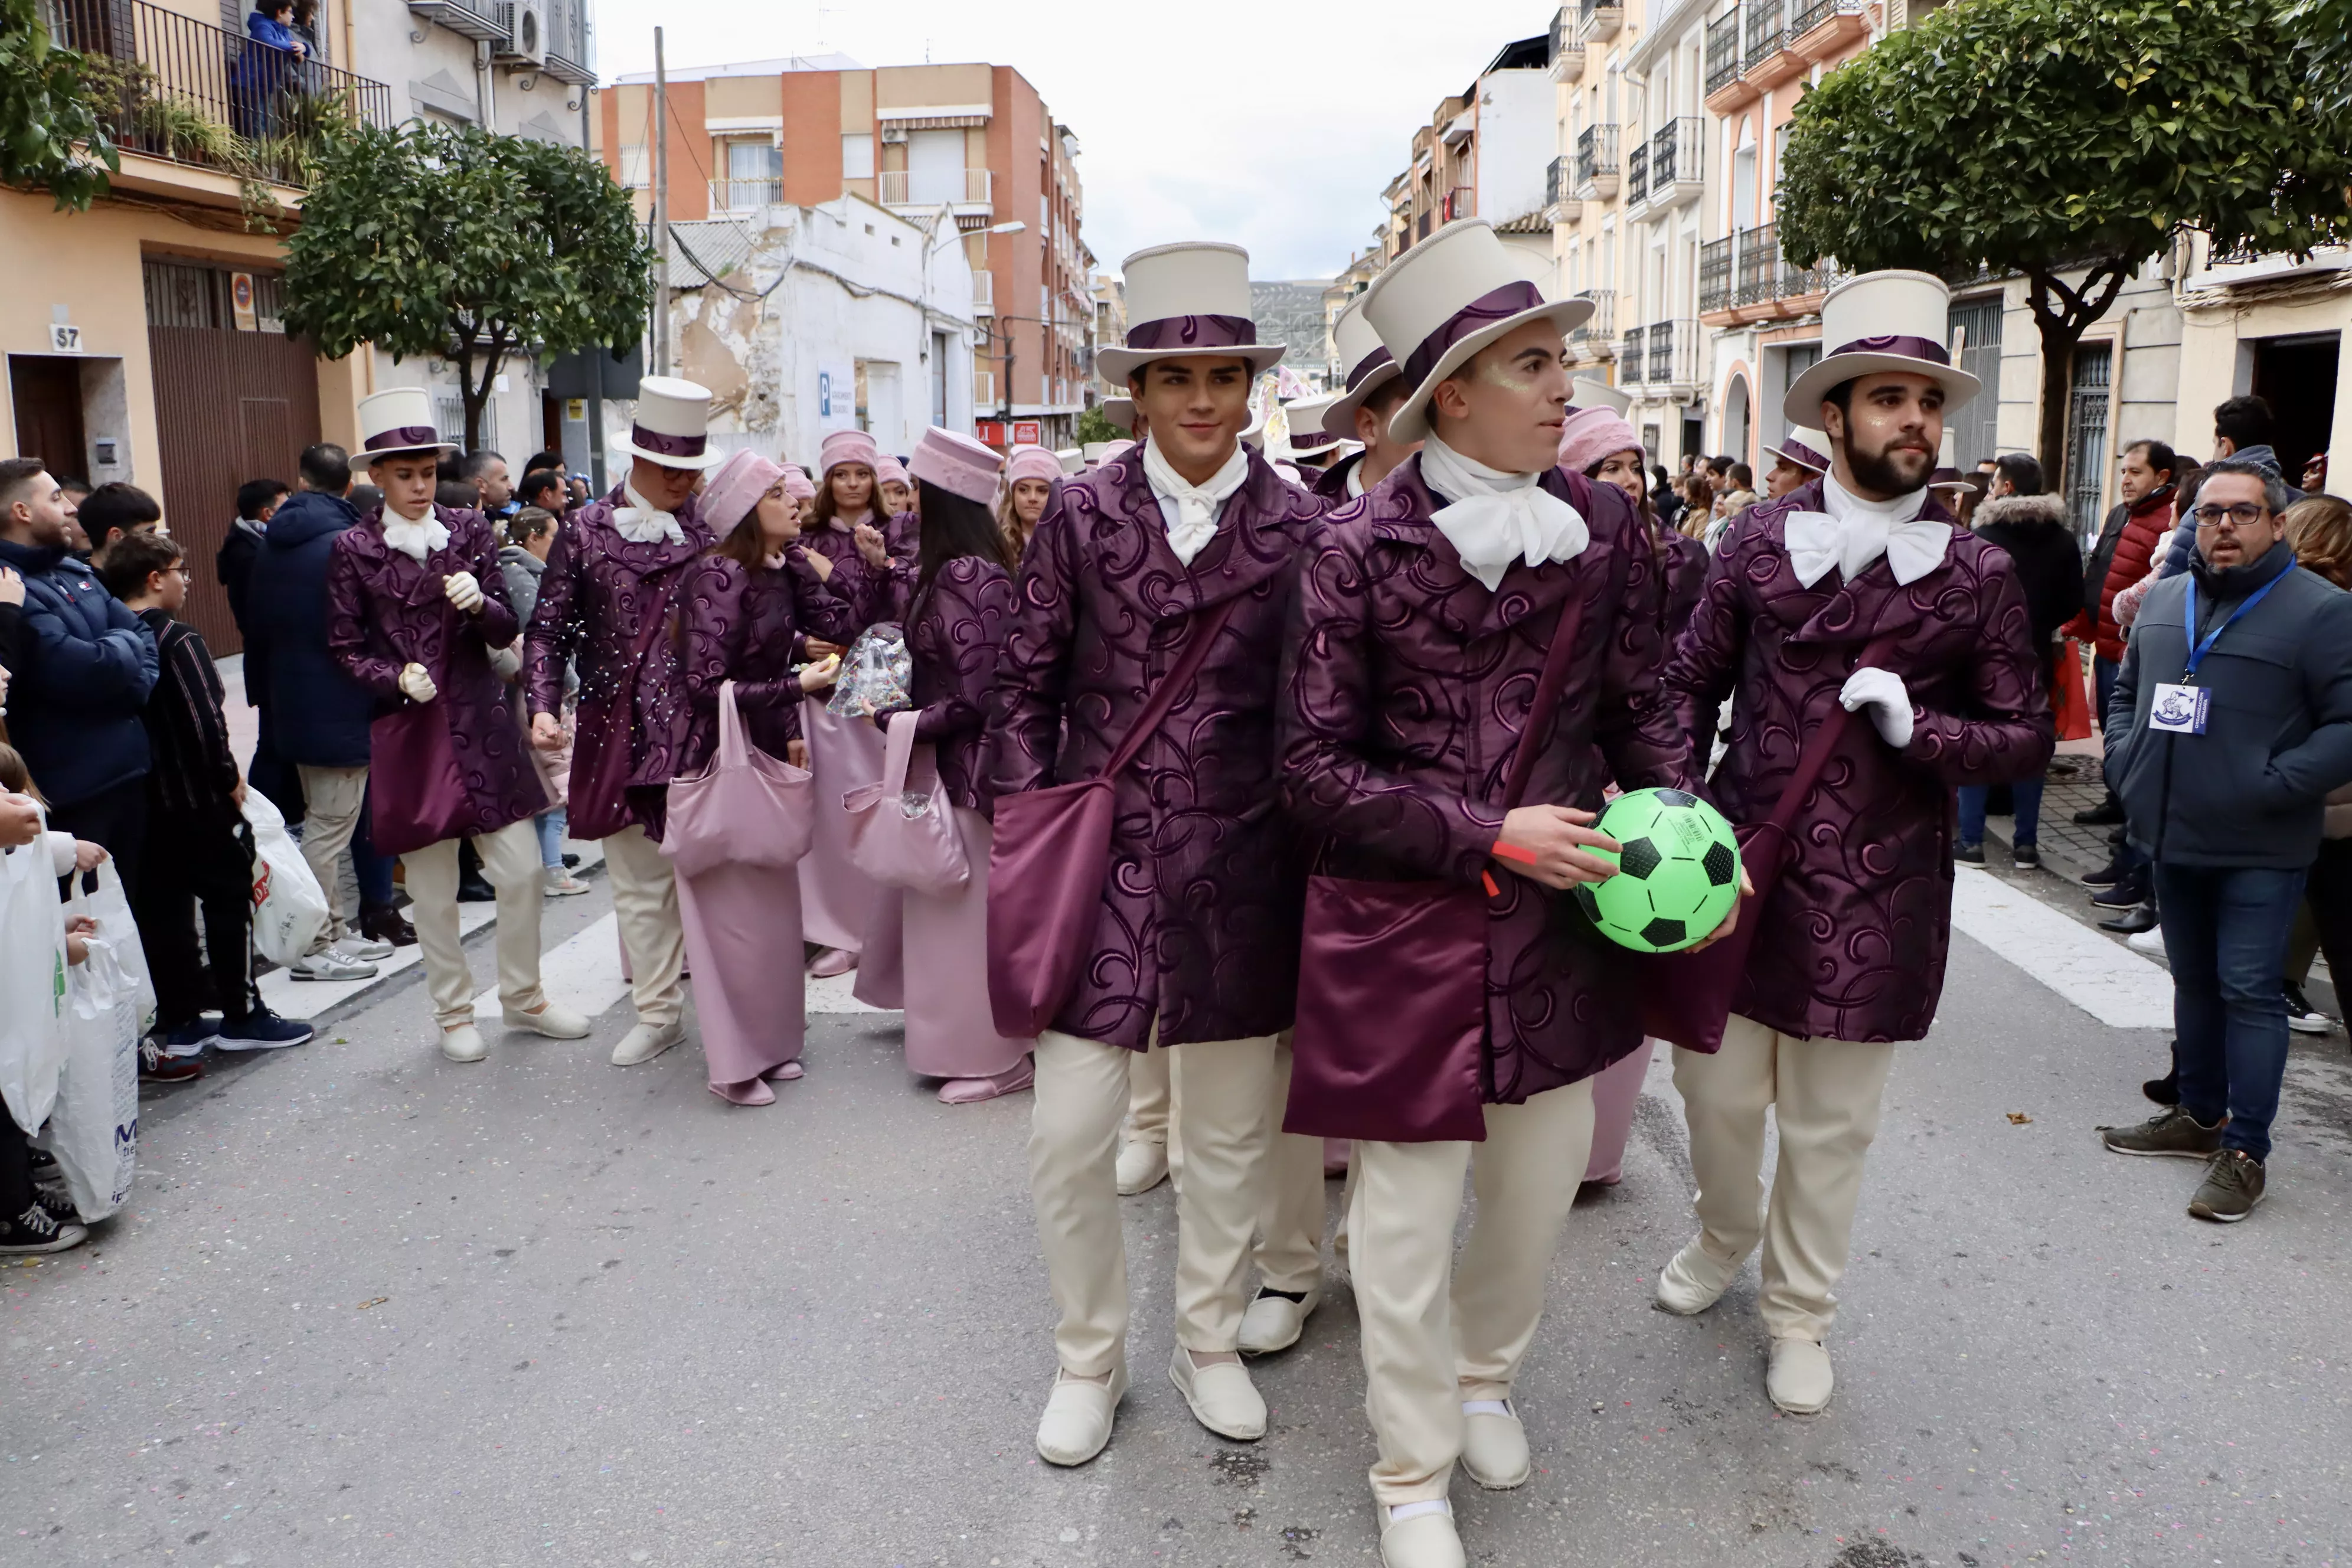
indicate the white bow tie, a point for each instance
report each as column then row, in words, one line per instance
column 1853, row 533
column 641, row 522
column 414, row 539
column 1196, row 505
column 1499, row 518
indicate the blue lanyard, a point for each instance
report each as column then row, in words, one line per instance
column 2197, row 650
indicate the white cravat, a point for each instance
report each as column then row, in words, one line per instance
column 1498, row 517
column 1355, row 481
column 1853, row 532
column 642, row 522
column 414, row 539
column 1195, row 523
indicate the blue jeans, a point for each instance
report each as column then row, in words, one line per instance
column 2025, row 795
column 551, row 824
column 370, row 871
column 2225, row 933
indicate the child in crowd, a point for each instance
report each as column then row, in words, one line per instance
column 522, row 560
column 202, row 852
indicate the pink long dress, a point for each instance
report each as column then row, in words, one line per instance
column 1615, row 1090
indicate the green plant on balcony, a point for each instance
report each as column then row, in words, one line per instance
column 50, row 136
column 140, row 112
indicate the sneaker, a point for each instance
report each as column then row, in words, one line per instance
column 1968, row 854
column 155, row 1066
column 332, row 963
column 49, row 1189
column 36, row 1230
column 2233, row 1187
column 2148, row 942
column 2171, row 1134
column 262, row 1030
column 2300, row 1015
column 2108, row 813
column 366, row 949
column 189, row 1039
column 2025, row 857
column 385, row 923
column 563, row 884
column 2122, row 893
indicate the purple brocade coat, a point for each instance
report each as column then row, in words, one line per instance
column 956, row 636
column 865, row 589
column 1407, row 687
column 1686, row 561
column 1332, row 484
column 385, row 610
column 748, row 627
column 593, row 599
column 1199, row 927
column 1852, row 940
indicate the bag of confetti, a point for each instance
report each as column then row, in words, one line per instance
column 877, row 674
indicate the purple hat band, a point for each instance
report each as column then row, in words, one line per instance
column 1372, row 361
column 1194, row 332
column 1902, row 344
column 1802, row 456
column 402, row 436
column 1494, row 305
column 660, row 445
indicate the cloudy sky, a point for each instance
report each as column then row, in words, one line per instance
column 1272, row 125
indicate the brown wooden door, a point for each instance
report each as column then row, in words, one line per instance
column 46, row 392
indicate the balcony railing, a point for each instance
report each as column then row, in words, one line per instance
column 984, row 390
column 1676, row 154
column 983, row 292
column 1637, row 175
column 1630, row 363
column 1760, row 265
column 1599, row 330
column 1768, row 29
column 1462, row 200
column 1565, row 53
column 979, row 187
column 1715, row 276
column 1673, row 353
column 745, row 196
column 1723, row 51
column 1596, row 155
column 172, row 87
column 1600, row 18
column 1811, row 13
column 1556, row 185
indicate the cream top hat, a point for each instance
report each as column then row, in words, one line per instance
column 1366, row 363
column 399, row 424
column 1948, row 474
column 1190, row 301
column 1805, row 447
column 1587, row 393
column 1306, row 415
column 1444, row 300
column 673, row 425
column 1877, row 323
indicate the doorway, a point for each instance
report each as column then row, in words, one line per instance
column 2296, row 376
column 44, row 393
column 1736, row 420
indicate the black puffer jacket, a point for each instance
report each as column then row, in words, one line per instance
column 2039, row 542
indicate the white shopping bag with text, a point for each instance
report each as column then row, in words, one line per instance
column 93, row 1132
column 289, row 909
column 32, row 984
column 99, row 894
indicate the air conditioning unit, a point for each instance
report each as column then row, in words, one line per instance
column 894, row 134
column 525, row 43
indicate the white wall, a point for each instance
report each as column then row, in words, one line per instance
column 1518, row 135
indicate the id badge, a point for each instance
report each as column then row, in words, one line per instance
column 2180, row 710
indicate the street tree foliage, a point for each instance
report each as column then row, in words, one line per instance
column 2053, row 137
column 51, row 137
column 456, row 243
column 1094, row 425
column 2323, row 27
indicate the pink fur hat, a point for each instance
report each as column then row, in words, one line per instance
column 1031, row 463
column 1592, row 434
column 736, row 488
column 797, row 483
column 888, row 470
column 957, row 465
column 848, row 447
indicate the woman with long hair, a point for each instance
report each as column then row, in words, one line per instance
column 746, row 610
column 958, row 610
column 1029, row 476
column 896, row 506
column 846, row 523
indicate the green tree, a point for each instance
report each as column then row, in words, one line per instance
column 2324, row 29
column 1094, row 425
column 472, row 247
column 50, row 134
column 2060, row 136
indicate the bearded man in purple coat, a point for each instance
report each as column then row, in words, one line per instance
column 1195, row 943
column 609, row 598
column 416, row 612
column 1851, row 592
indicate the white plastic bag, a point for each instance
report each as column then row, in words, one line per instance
column 93, row 1132
column 289, row 909
column 32, row 984
column 109, row 906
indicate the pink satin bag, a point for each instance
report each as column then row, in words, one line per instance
column 743, row 805
column 902, row 832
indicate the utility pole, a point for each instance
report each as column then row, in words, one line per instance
column 661, row 210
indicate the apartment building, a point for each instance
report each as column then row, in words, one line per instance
column 975, row 139
column 1482, row 154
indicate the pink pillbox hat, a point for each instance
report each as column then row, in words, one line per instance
column 735, row 488
column 959, row 465
column 888, row 470
column 848, row 447
column 1593, row 434
column 1031, row 463
column 797, row 484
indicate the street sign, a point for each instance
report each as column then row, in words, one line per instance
column 1028, row 433
column 989, row 432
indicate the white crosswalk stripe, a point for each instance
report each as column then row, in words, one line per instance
column 2105, row 979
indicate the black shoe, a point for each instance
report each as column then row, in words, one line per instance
column 36, row 1230
column 2132, row 922
column 261, row 1030
column 1968, row 854
column 2108, row 813
column 2025, row 857
column 2123, row 893
column 2165, row 1090
column 49, row 1188
column 2108, row 875
column 2300, row 1015
column 476, row 890
column 571, row 862
column 2117, row 835
column 385, row 924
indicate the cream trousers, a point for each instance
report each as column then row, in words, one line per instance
column 332, row 799
column 644, row 905
column 1082, row 1093
column 1438, row 1330
column 1825, row 1095
column 1152, row 1107
column 1290, row 1209
column 510, row 863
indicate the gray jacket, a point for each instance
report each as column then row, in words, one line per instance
column 2249, row 791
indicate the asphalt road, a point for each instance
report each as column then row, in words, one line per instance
column 368, row 1307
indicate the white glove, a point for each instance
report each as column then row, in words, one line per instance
column 1883, row 692
column 465, row 591
column 416, row 684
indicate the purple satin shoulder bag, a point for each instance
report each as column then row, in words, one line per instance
column 1051, row 856
column 742, row 807
column 1392, row 1022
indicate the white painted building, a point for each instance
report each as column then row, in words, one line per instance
column 806, row 319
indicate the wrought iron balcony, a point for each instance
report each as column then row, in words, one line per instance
column 1600, row 18
column 1596, row 161
column 1566, row 49
column 172, row 87
column 1723, row 51
column 1598, row 334
column 1715, row 276
column 1813, row 14
column 1768, row 29
column 1637, row 175
column 1673, row 353
column 1677, row 154
column 1630, row 365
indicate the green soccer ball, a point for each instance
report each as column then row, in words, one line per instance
column 1678, row 876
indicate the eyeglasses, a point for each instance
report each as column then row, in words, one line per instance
column 2245, row 514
